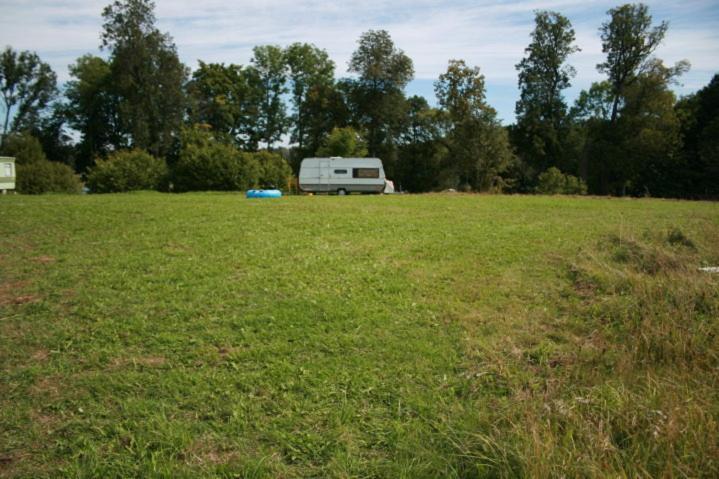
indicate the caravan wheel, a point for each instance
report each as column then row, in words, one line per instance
column 341, row 192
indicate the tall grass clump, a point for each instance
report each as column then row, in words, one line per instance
column 630, row 390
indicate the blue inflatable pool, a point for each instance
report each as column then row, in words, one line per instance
column 264, row 193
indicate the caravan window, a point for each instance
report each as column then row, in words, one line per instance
column 340, row 172
column 365, row 172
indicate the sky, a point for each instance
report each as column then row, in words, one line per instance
column 491, row 34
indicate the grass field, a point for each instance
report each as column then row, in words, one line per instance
column 399, row 336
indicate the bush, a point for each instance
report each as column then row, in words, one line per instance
column 275, row 172
column 554, row 182
column 43, row 176
column 34, row 173
column 24, row 147
column 205, row 163
column 127, row 170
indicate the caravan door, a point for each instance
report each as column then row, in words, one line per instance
column 324, row 175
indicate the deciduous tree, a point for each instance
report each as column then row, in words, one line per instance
column 147, row 76
column 543, row 75
column 92, row 109
column 270, row 70
column 628, row 39
column 311, row 73
column 479, row 150
column 27, row 85
column 378, row 94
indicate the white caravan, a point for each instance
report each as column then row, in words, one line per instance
column 342, row 175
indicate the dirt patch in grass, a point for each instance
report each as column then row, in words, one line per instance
column 227, row 351
column 11, row 293
column 46, row 423
column 40, row 355
column 44, row 259
column 48, row 386
column 8, row 462
column 204, row 451
column 151, row 361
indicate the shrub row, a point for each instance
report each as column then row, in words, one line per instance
column 34, row 173
column 204, row 163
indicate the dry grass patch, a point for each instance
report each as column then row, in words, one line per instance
column 13, row 293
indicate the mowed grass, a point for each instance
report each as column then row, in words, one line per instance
column 408, row 336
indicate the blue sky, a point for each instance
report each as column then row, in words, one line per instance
column 489, row 34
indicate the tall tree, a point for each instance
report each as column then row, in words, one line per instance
column 543, row 75
column 421, row 149
column 628, row 39
column 92, row 109
column 310, row 72
column 28, row 85
column 384, row 71
column 270, row 70
column 640, row 131
column 146, row 75
column 479, row 150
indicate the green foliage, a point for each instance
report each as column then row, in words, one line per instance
column 311, row 72
column 346, row 142
column 699, row 118
column 92, row 109
column 35, row 174
column 380, row 63
column 628, row 39
column 127, row 170
column 207, row 163
column 626, row 132
column 27, row 86
column 638, row 153
column 57, row 141
column 43, row 176
column 541, row 112
column 479, row 150
column 377, row 97
column 595, row 103
column 270, row 70
column 227, row 98
column 326, row 107
column 554, row 182
column 274, row 171
column 24, row 147
column 421, row 151
column 146, row 76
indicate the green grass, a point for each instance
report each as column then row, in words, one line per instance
column 401, row 336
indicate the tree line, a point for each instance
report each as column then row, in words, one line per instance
column 143, row 120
